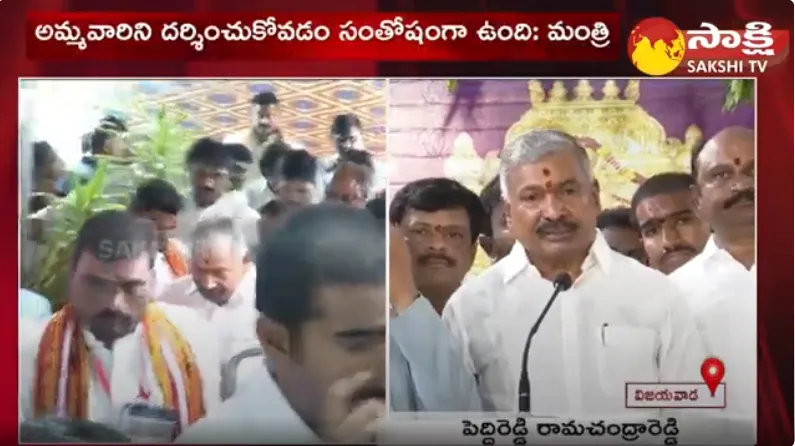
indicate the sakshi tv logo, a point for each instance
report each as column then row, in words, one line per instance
column 658, row 47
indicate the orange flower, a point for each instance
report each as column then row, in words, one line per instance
column 175, row 259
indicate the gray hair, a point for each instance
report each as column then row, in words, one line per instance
column 210, row 229
column 532, row 146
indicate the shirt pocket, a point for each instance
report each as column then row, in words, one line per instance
column 626, row 355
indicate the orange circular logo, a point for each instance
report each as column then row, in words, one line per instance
column 656, row 46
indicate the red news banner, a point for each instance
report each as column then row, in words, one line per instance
column 329, row 36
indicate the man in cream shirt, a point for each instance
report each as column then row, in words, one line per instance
column 620, row 321
column 220, row 287
column 721, row 281
column 109, row 345
column 210, row 167
column 264, row 130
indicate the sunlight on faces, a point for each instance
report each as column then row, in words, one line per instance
column 671, row 232
column 552, row 205
column 440, row 244
column 726, row 169
column 346, row 334
column 110, row 295
column 217, row 267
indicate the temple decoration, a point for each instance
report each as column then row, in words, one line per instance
column 466, row 166
column 473, row 171
column 632, row 144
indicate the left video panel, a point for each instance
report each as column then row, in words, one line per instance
column 202, row 260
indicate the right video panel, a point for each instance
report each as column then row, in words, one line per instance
column 573, row 248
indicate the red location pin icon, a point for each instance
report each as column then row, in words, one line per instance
column 712, row 371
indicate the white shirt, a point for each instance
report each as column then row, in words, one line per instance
column 620, row 322
column 187, row 219
column 722, row 295
column 259, row 193
column 233, row 324
column 123, row 365
column 163, row 275
column 257, row 414
column 234, row 205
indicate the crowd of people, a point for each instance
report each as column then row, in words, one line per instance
column 650, row 291
column 167, row 319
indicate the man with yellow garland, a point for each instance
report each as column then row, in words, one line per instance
column 110, row 345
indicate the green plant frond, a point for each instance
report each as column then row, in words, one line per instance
column 738, row 91
column 157, row 149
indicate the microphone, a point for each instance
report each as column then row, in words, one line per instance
column 562, row 282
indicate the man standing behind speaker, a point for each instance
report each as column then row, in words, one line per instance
column 619, row 322
column 722, row 278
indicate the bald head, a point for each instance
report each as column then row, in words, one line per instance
column 730, row 136
column 350, row 184
column 724, row 172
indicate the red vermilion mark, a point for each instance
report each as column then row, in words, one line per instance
column 545, row 172
column 548, row 185
column 737, row 161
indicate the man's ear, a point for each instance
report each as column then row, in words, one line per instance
column 597, row 192
column 696, row 197
column 273, row 337
column 486, row 243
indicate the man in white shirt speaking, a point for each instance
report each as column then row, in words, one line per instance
column 619, row 322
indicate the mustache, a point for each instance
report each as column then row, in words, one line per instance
column 737, row 198
column 556, row 226
column 112, row 316
column 677, row 249
column 426, row 259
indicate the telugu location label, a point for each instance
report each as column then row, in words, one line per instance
column 675, row 396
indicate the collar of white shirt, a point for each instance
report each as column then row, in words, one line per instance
column 600, row 255
column 258, row 413
column 712, row 254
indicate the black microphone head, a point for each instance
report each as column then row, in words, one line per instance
column 562, row 281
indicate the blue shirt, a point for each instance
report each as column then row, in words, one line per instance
column 426, row 373
column 33, row 306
